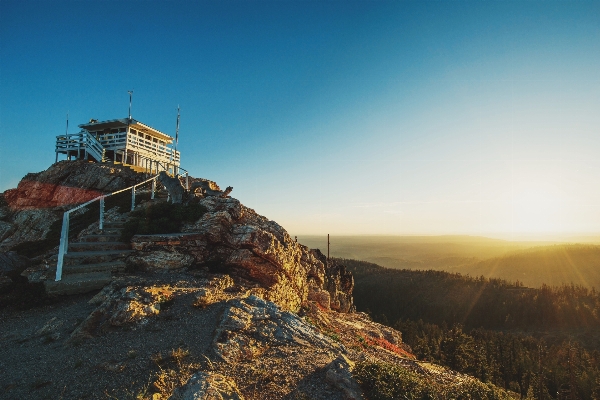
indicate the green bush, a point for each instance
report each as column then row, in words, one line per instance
column 161, row 218
column 382, row 381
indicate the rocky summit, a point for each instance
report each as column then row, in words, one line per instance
column 228, row 306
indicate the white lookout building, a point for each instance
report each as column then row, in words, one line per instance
column 125, row 141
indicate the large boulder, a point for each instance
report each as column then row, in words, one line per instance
column 236, row 239
column 249, row 326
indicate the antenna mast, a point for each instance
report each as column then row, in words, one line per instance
column 130, row 95
column 177, row 129
column 328, row 249
column 67, row 130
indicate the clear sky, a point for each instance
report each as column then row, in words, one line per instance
column 369, row 117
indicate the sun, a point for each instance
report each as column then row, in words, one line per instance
column 535, row 209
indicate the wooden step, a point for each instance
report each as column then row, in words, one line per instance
column 78, row 283
column 92, row 257
column 137, row 168
column 114, row 225
column 102, row 237
column 111, row 266
column 98, row 246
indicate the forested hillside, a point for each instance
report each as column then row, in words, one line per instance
column 532, row 263
column 551, row 265
column 541, row 343
column 440, row 297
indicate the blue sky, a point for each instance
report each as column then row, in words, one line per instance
column 372, row 117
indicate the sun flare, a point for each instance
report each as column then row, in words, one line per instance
column 537, row 210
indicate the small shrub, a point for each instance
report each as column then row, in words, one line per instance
column 381, row 381
column 179, row 354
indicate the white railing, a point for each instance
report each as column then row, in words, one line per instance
column 64, row 234
column 152, row 165
column 119, row 143
column 80, row 141
column 152, row 149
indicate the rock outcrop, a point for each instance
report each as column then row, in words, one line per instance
column 250, row 325
column 66, row 183
column 27, row 212
column 234, row 238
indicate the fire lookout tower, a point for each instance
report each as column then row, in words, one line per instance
column 125, row 141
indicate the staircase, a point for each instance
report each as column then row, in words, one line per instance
column 137, row 168
column 89, row 264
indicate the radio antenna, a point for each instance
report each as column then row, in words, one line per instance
column 177, row 129
column 130, row 95
column 67, row 130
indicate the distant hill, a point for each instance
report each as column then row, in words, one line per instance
column 440, row 297
column 532, row 263
column 415, row 252
column 551, row 265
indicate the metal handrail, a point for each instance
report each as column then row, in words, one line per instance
column 64, row 233
column 165, row 167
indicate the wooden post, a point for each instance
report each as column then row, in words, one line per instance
column 328, row 249
column 132, row 198
column 101, row 223
column 63, row 246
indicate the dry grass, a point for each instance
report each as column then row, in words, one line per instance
column 174, row 372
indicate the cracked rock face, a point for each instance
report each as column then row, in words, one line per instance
column 122, row 306
column 250, row 325
column 236, row 239
column 27, row 212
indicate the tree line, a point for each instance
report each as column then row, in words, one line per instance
column 497, row 331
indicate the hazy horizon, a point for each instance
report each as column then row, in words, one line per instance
column 509, row 237
column 354, row 118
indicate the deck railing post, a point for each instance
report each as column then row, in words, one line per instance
column 63, row 246
column 132, row 198
column 101, row 223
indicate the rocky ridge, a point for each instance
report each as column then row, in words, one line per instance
column 232, row 237
column 230, row 308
